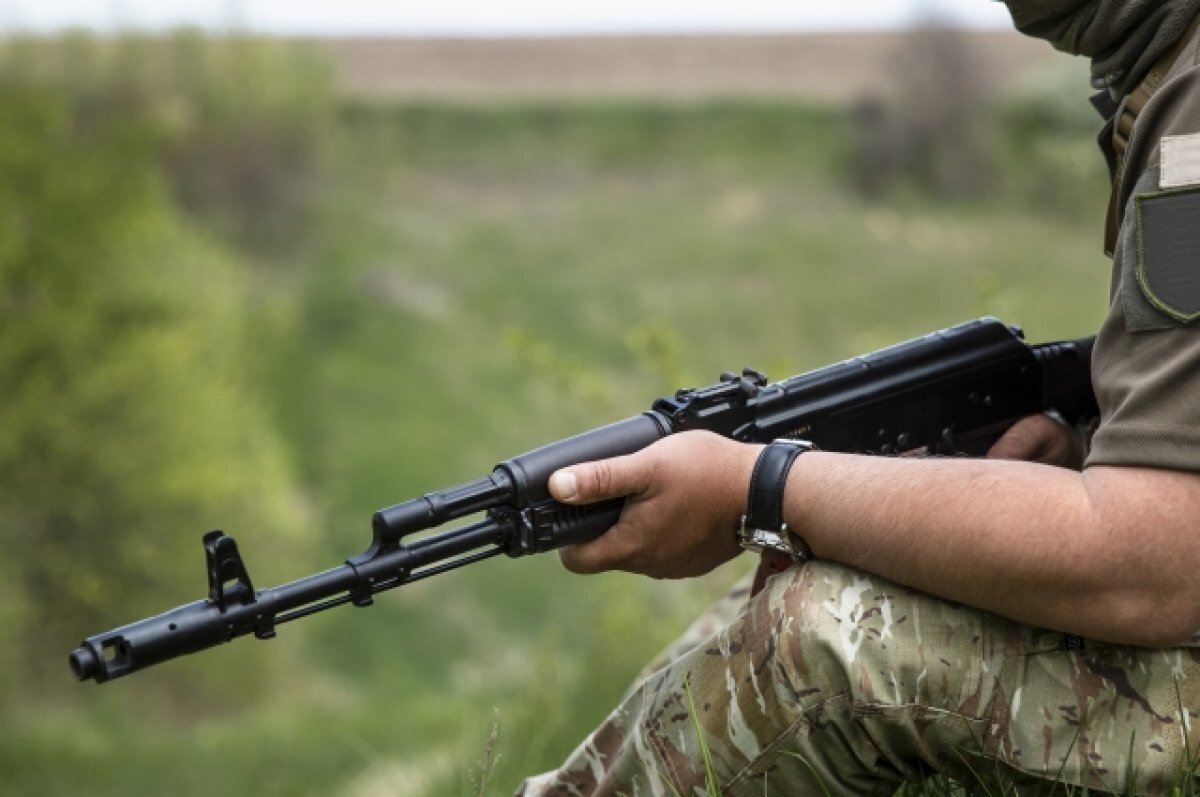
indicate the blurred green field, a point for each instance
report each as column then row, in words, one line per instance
column 231, row 299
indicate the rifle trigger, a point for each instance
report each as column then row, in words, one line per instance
column 227, row 577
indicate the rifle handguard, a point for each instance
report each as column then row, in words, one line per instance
column 950, row 392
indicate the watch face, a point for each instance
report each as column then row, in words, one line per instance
column 785, row 542
column 765, row 538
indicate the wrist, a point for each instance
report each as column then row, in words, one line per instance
column 763, row 527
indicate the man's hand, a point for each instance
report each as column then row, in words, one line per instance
column 684, row 497
column 686, row 493
column 1040, row 438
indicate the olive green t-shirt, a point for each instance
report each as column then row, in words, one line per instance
column 1146, row 363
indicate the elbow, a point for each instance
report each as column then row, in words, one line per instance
column 1179, row 623
column 1156, row 619
column 1161, row 635
column 1144, row 554
column 1154, row 603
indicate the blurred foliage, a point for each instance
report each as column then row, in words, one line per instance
column 1052, row 143
column 936, row 127
column 229, row 297
column 128, row 413
column 238, row 125
column 925, row 128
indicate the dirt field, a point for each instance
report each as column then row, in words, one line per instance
column 830, row 67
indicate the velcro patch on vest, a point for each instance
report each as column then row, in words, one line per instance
column 1180, row 160
column 1168, row 243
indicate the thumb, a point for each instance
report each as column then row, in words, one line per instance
column 598, row 481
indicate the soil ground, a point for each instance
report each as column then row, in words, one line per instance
column 831, row 67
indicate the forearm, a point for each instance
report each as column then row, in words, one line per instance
column 1039, row 544
column 1111, row 553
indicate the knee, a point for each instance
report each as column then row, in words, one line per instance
column 819, row 621
column 847, row 632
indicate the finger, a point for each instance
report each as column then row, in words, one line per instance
column 1025, row 439
column 1011, row 445
column 600, row 480
column 1040, row 438
column 610, row 551
column 585, row 558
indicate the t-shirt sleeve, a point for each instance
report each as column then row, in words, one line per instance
column 1146, row 363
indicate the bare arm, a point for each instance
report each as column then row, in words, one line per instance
column 1110, row 553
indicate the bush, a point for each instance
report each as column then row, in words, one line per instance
column 238, row 127
column 127, row 414
column 1049, row 134
column 925, row 127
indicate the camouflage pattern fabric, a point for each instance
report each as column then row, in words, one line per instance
column 831, row 681
column 720, row 615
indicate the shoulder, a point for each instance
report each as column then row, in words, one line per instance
column 1173, row 110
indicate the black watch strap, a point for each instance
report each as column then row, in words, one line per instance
column 767, row 482
column 762, row 528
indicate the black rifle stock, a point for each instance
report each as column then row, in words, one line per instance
column 951, row 392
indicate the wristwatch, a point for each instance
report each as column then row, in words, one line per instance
column 762, row 527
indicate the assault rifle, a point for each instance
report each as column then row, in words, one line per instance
column 952, row 392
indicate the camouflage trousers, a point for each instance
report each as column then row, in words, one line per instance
column 833, row 682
